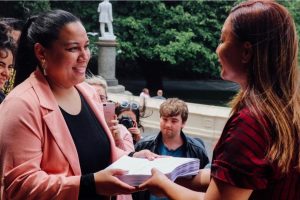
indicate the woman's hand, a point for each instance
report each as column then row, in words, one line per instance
column 157, row 183
column 107, row 184
column 145, row 153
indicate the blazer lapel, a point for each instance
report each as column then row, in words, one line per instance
column 57, row 126
column 55, row 121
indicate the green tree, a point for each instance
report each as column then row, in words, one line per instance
column 170, row 38
column 156, row 38
column 23, row 9
column 85, row 10
column 294, row 8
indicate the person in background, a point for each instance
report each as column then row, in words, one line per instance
column 159, row 95
column 100, row 85
column 7, row 50
column 14, row 31
column 143, row 96
column 129, row 114
column 54, row 142
column 145, row 93
column 16, row 26
column 171, row 141
column 122, row 136
column 258, row 154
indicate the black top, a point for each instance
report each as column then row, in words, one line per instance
column 93, row 147
column 2, row 96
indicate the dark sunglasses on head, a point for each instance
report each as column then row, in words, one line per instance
column 131, row 105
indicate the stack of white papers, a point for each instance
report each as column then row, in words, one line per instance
column 139, row 169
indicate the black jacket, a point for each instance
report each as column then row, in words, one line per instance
column 2, row 96
column 194, row 148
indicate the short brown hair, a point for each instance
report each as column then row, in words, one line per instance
column 173, row 107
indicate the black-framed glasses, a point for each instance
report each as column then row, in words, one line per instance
column 132, row 105
column 103, row 98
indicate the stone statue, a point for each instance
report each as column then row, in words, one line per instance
column 105, row 17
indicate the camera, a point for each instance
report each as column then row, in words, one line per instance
column 126, row 121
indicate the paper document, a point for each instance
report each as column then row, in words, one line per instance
column 139, row 169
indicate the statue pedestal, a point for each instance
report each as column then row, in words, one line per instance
column 107, row 37
column 107, row 64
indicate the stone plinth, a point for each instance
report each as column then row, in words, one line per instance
column 107, row 61
column 107, row 64
column 116, row 89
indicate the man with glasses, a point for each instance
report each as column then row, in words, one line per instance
column 122, row 136
column 171, row 140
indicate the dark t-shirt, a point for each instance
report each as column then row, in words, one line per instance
column 92, row 144
column 239, row 159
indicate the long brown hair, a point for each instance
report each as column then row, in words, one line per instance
column 273, row 78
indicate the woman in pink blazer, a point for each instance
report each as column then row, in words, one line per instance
column 54, row 142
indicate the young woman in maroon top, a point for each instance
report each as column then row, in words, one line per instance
column 258, row 154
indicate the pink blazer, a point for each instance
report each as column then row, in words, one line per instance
column 38, row 158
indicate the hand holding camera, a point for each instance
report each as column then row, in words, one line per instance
column 126, row 121
column 131, row 125
column 136, row 133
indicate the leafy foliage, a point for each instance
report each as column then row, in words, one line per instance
column 23, row 9
column 294, row 8
column 86, row 10
column 176, row 35
column 173, row 38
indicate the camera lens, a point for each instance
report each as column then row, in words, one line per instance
column 126, row 121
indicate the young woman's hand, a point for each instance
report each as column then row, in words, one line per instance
column 156, row 184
